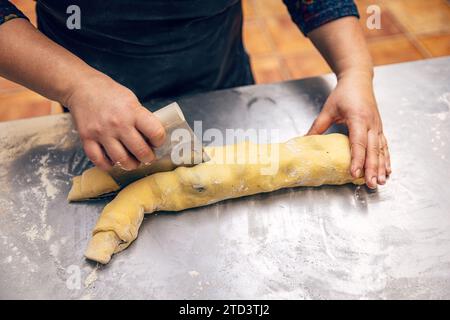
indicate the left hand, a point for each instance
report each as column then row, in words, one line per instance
column 353, row 103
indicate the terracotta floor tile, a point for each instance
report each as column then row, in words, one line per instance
column 256, row 38
column 24, row 5
column 31, row 15
column 28, row 8
column 438, row 45
column 393, row 50
column 286, row 36
column 268, row 69
column 270, row 8
column 306, row 64
column 420, row 16
column 56, row 107
column 8, row 86
column 23, row 104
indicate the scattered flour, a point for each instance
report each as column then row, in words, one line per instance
column 32, row 233
column 47, row 233
column 87, row 296
column 43, row 172
column 54, row 250
column 194, row 273
column 41, row 231
column 325, row 239
column 445, row 98
column 91, row 278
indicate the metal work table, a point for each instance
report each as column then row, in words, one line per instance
column 327, row 242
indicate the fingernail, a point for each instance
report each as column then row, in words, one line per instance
column 382, row 179
column 121, row 166
column 358, row 173
column 374, row 182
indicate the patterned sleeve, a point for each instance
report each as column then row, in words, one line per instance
column 8, row 12
column 311, row 14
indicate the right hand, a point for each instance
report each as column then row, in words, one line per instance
column 113, row 126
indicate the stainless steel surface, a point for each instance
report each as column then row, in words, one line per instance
column 328, row 242
column 181, row 148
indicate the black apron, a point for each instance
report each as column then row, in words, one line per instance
column 157, row 48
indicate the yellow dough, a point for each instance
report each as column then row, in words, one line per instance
column 92, row 183
column 232, row 172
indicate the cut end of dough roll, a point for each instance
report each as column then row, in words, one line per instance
column 102, row 246
column 91, row 184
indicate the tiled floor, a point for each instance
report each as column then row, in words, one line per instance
column 411, row 30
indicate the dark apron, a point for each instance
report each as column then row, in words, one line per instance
column 157, row 48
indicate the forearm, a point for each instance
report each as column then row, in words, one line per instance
column 342, row 44
column 30, row 58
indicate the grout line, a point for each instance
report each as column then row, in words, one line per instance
column 409, row 35
column 268, row 35
column 5, row 92
column 274, row 52
column 385, row 38
column 55, row 107
column 432, row 33
column 416, row 43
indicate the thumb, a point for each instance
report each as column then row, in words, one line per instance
column 321, row 124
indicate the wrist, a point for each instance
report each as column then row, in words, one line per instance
column 361, row 73
column 83, row 83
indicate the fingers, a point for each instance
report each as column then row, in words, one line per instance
column 321, row 124
column 119, row 155
column 358, row 146
column 381, row 163
column 95, row 153
column 370, row 153
column 136, row 144
column 372, row 158
column 124, row 144
column 387, row 156
column 150, row 126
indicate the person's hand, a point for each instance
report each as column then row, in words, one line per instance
column 353, row 103
column 113, row 126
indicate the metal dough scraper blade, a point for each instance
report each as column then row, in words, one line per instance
column 181, row 148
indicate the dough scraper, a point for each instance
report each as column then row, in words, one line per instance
column 181, row 148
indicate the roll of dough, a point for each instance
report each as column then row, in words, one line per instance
column 233, row 171
column 91, row 184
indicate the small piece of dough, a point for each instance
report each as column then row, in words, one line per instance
column 91, row 184
column 302, row 161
